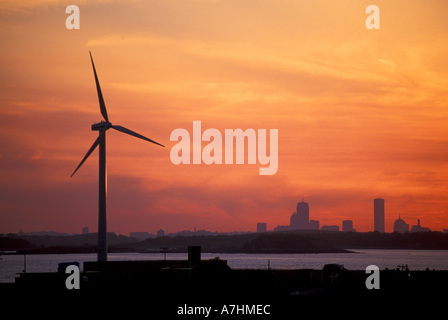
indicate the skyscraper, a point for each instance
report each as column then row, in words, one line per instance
column 303, row 212
column 378, row 214
column 300, row 220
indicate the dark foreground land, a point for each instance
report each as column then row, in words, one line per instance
column 162, row 287
column 213, row 278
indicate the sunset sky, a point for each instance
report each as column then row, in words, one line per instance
column 360, row 113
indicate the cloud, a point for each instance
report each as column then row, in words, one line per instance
column 358, row 112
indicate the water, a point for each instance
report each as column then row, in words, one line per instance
column 10, row 265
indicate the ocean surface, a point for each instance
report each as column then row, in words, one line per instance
column 10, row 265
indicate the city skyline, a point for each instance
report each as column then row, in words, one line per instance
column 399, row 226
column 360, row 113
column 299, row 221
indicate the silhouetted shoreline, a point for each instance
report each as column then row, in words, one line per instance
column 270, row 242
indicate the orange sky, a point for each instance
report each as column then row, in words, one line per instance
column 360, row 113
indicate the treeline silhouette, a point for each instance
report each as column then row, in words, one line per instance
column 41, row 244
column 242, row 243
column 269, row 242
column 395, row 240
column 302, row 242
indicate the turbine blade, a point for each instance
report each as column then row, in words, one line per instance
column 135, row 134
column 97, row 141
column 100, row 94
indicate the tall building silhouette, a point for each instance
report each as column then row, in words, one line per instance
column 300, row 220
column 303, row 212
column 378, row 214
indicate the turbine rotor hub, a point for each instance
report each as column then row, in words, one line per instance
column 103, row 125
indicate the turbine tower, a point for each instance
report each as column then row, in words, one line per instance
column 102, row 127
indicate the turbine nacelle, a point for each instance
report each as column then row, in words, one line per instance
column 103, row 125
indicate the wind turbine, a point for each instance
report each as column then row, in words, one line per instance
column 102, row 127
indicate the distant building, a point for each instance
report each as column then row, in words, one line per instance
column 378, row 214
column 160, row 233
column 401, row 226
column 300, row 220
column 445, row 230
column 261, row 227
column 419, row 228
column 85, row 230
column 303, row 212
column 314, row 225
column 282, row 228
column 347, row 225
column 330, row 228
column 294, row 221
